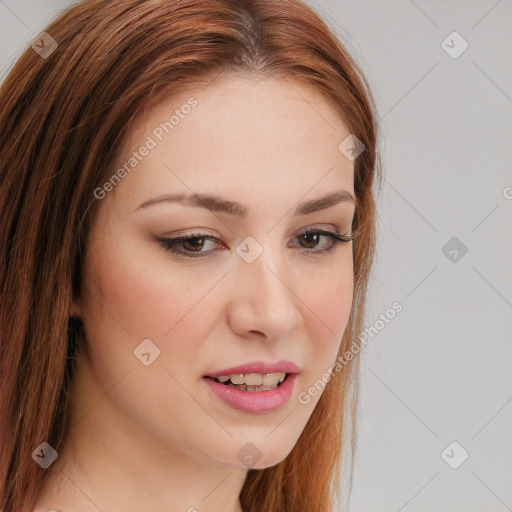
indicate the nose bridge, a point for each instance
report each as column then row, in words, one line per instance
column 265, row 292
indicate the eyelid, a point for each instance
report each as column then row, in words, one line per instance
column 208, row 232
column 191, row 232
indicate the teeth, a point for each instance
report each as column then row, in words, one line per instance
column 237, row 378
column 254, row 379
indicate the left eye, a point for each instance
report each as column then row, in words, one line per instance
column 195, row 242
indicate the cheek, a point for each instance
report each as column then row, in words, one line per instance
column 328, row 300
column 135, row 297
column 326, row 313
column 145, row 296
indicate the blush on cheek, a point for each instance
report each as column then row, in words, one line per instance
column 332, row 308
column 155, row 308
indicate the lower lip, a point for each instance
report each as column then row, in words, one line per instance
column 254, row 401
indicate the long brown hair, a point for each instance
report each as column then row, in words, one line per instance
column 62, row 119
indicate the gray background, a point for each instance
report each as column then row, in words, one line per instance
column 439, row 372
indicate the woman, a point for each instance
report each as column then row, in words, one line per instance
column 188, row 228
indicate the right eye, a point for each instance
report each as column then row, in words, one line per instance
column 192, row 244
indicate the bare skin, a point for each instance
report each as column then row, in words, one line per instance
column 155, row 438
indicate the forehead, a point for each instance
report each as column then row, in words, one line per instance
column 238, row 136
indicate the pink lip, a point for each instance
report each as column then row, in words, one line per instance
column 258, row 367
column 253, row 402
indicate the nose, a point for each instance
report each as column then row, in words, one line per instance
column 263, row 299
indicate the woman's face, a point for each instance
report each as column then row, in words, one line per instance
column 158, row 322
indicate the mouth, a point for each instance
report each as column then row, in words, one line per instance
column 255, row 387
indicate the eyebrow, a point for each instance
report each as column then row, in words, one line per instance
column 219, row 204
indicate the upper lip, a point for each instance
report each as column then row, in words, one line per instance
column 258, row 367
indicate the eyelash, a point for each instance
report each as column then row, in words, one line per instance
column 169, row 243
